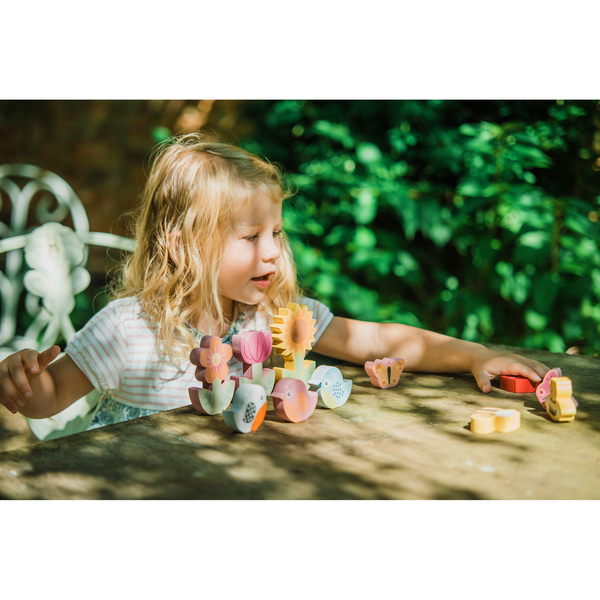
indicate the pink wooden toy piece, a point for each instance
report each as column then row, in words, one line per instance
column 385, row 372
column 215, row 394
column 252, row 348
column 292, row 400
column 543, row 389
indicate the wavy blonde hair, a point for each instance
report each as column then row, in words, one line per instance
column 194, row 188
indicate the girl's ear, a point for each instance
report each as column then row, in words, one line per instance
column 173, row 242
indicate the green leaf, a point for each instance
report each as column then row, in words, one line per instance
column 368, row 153
column 366, row 207
column 535, row 320
column 364, row 238
column 535, row 239
column 581, row 224
column 339, row 133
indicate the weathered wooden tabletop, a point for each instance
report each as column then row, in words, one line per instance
column 409, row 442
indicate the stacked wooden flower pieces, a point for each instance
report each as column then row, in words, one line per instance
column 210, row 359
column 292, row 336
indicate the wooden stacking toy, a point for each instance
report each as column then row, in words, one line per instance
column 252, row 348
column 332, row 389
column 293, row 335
column 489, row 420
column 385, row 372
column 292, row 401
column 210, row 359
column 248, row 408
column 561, row 405
column 516, row 385
column 543, row 389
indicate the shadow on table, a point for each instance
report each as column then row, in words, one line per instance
column 388, row 446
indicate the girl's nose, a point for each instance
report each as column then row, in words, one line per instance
column 271, row 250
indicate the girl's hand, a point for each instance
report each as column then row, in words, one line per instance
column 15, row 371
column 487, row 364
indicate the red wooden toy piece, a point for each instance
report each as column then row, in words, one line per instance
column 516, row 384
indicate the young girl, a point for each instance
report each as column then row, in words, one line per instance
column 211, row 258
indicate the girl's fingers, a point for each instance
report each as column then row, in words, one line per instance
column 483, row 380
column 19, row 382
column 9, row 405
column 47, row 356
column 30, row 361
column 9, row 394
column 518, row 368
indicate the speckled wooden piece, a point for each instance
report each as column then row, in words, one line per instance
column 408, row 442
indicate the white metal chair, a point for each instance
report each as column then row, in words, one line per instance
column 44, row 270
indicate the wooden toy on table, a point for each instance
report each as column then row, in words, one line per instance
column 252, row 348
column 293, row 335
column 516, row 384
column 292, row 401
column 248, row 409
column 560, row 405
column 543, row 389
column 489, row 420
column 385, row 372
column 211, row 360
column 333, row 390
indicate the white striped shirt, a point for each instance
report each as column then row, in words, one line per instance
column 116, row 351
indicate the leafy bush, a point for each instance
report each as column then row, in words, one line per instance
column 475, row 219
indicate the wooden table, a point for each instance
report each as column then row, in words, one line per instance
column 409, row 442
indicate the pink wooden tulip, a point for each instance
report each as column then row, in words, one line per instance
column 252, row 347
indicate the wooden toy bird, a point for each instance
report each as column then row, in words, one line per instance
column 333, row 390
column 248, row 408
column 292, row 400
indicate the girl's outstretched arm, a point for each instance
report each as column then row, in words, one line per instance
column 30, row 383
column 423, row 351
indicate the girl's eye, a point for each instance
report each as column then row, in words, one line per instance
column 254, row 236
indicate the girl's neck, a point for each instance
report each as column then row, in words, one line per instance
column 204, row 325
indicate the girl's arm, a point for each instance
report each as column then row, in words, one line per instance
column 423, row 351
column 30, row 383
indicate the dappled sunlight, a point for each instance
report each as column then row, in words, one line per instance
column 408, row 442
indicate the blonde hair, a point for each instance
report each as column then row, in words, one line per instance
column 194, row 188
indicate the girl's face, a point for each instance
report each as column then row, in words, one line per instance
column 251, row 253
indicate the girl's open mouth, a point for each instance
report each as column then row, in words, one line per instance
column 263, row 281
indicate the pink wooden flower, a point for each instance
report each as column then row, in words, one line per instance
column 215, row 357
column 252, row 347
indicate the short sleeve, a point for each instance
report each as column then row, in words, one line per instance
column 100, row 349
column 321, row 314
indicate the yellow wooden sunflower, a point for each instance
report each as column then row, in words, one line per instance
column 293, row 330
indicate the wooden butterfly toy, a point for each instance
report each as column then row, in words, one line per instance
column 385, row 372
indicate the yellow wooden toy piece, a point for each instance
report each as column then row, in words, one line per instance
column 489, row 420
column 293, row 336
column 483, row 422
column 560, row 405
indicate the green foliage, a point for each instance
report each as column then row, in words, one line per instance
column 476, row 219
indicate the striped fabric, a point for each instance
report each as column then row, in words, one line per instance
column 116, row 351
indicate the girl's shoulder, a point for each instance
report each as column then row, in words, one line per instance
column 122, row 310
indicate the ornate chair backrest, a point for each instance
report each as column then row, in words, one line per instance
column 45, row 259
